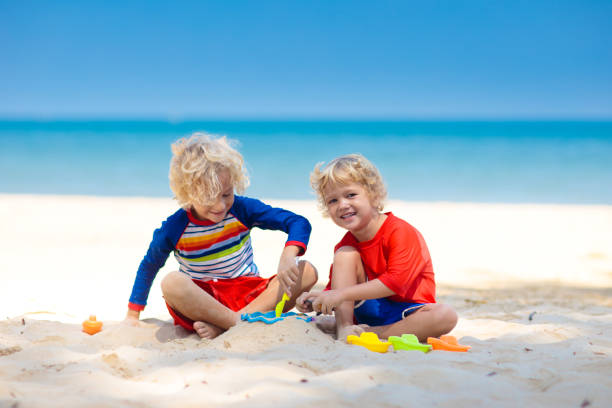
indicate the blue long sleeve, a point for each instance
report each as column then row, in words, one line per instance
column 254, row 213
column 163, row 243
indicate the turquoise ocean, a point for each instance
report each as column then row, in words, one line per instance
column 462, row 161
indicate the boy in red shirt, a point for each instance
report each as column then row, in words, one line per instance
column 382, row 276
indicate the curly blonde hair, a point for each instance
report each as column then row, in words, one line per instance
column 196, row 165
column 352, row 168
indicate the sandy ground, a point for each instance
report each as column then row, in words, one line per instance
column 532, row 285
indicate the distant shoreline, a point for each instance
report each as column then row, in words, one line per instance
column 389, row 201
column 191, row 120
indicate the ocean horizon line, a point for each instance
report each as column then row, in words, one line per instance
column 302, row 119
column 266, row 199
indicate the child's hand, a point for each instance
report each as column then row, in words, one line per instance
column 327, row 301
column 288, row 272
column 128, row 321
column 132, row 318
column 303, row 304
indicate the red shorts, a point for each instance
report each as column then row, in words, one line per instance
column 233, row 293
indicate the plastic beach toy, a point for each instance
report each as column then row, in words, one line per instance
column 92, row 326
column 370, row 341
column 448, row 343
column 270, row 317
column 408, row 342
column 280, row 305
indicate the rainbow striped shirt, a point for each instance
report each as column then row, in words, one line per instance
column 206, row 250
column 217, row 251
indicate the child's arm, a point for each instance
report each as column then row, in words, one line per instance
column 132, row 317
column 164, row 240
column 254, row 213
column 153, row 261
column 288, row 272
column 326, row 301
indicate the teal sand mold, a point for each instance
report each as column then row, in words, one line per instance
column 270, row 317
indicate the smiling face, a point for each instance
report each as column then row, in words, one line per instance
column 350, row 207
column 217, row 210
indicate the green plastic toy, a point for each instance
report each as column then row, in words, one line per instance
column 408, row 342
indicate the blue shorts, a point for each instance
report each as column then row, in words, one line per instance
column 382, row 311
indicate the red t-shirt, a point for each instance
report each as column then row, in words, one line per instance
column 399, row 258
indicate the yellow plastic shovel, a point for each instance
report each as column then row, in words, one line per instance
column 280, row 305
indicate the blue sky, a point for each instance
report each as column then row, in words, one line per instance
column 306, row 59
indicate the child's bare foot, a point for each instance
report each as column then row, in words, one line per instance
column 207, row 330
column 365, row 327
column 347, row 330
column 326, row 323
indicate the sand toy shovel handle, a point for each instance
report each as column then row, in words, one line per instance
column 278, row 311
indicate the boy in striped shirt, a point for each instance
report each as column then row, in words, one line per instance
column 217, row 279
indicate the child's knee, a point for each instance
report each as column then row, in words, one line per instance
column 349, row 259
column 309, row 274
column 446, row 317
column 172, row 283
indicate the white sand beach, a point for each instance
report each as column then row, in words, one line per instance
column 532, row 285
